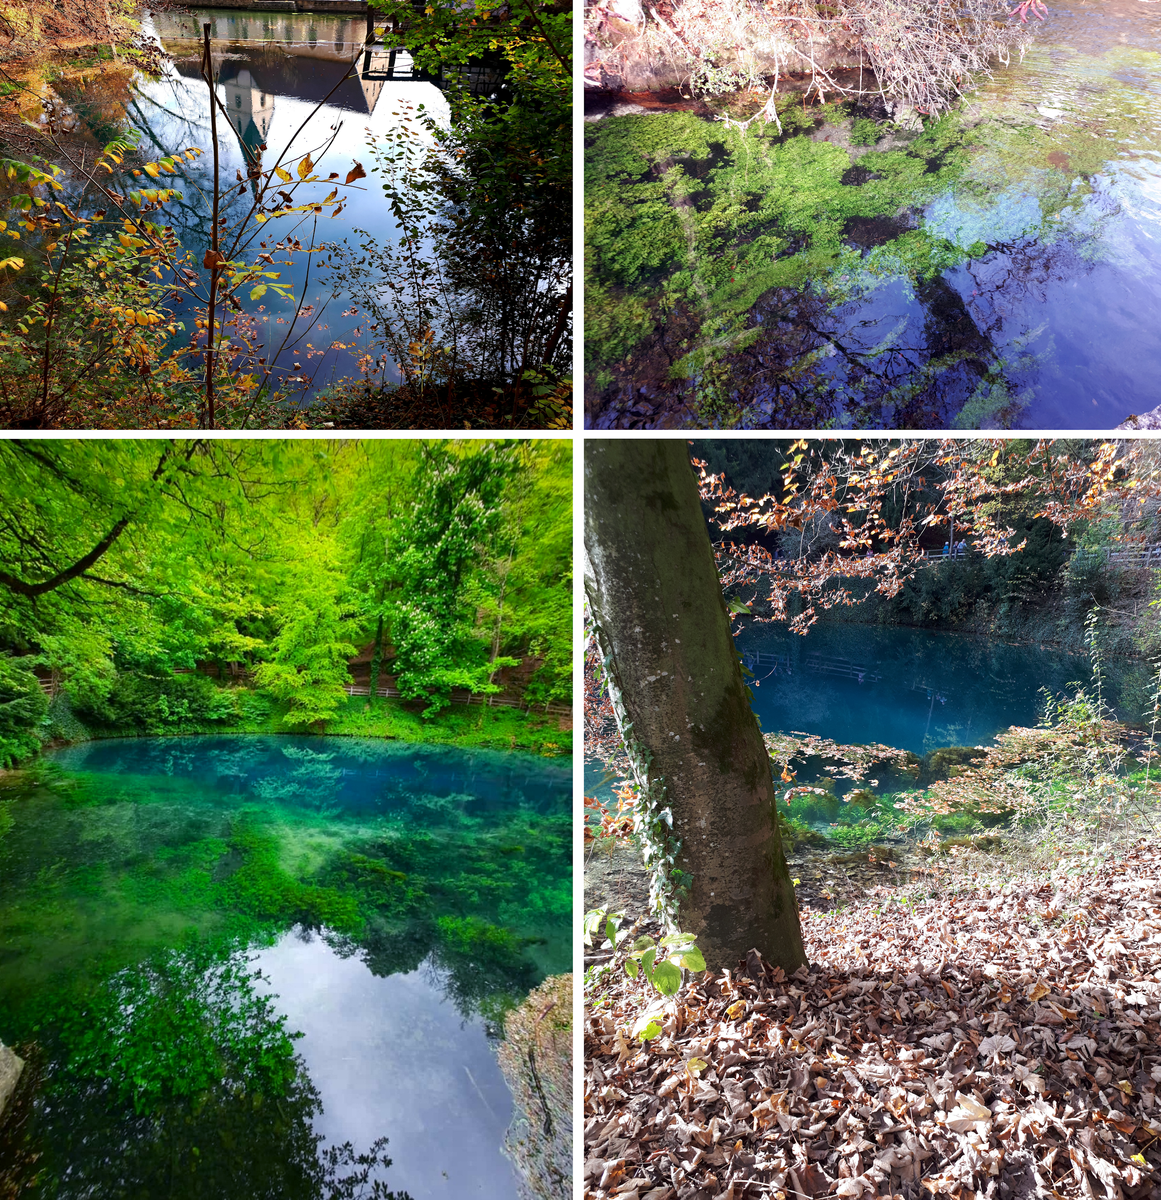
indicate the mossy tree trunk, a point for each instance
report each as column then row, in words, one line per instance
column 707, row 796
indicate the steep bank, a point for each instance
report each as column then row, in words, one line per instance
column 907, row 50
column 536, row 1058
column 33, row 29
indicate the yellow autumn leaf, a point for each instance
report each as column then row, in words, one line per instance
column 1038, row 991
column 282, row 174
column 151, row 169
column 14, row 263
column 695, row 1066
column 3, row 306
column 305, row 167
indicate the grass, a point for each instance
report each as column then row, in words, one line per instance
column 467, row 726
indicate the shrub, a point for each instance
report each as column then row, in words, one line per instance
column 23, row 709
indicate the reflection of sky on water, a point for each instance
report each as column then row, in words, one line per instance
column 273, row 70
column 392, row 1058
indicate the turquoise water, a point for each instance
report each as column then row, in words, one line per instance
column 326, row 932
column 910, row 688
column 914, row 689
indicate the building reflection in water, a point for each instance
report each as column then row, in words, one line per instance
column 259, row 57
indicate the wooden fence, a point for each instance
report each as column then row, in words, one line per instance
column 559, row 710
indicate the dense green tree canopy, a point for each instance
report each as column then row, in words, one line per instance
column 123, row 562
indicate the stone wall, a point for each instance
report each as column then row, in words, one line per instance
column 10, row 1068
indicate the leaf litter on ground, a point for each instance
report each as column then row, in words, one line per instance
column 1003, row 1042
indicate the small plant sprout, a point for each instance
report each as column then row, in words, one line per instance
column 663, row 962
column 601, row 920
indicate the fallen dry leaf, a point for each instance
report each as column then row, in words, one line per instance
column 995, row 1043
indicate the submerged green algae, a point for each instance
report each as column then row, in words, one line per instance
column 724, row 263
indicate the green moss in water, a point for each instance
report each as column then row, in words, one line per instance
column 261, row 889
column 681, row 212
column 686, row 216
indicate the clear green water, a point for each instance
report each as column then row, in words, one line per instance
column 396, row 900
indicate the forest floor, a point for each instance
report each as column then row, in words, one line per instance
column 970, row 1027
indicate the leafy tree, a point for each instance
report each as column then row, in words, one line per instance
column 525, row 591
column 23, row 706
column 126, row 565
column 309, row 667
column 454, row 517
column 850, row 518
column 493, row 196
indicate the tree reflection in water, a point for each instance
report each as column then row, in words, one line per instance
column 962, row 349
column 178, row 1078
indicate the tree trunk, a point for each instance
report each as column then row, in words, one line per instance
column 707, row 808
column 376, row 661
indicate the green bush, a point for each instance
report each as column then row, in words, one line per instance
column 23, row 710
column 161, row 703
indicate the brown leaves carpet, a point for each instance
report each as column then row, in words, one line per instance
column 1002, row 1043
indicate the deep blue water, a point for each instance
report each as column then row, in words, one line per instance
column 360, row 777
column 914, row 689
column 910, row 688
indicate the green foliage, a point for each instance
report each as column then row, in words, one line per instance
column 182, row 1024
column 661, row 963
column 179, row 1077
column 458, row 724
column 478, row 289
column 682, row 214
column 485, row 965
column 23, row 708
column 453, row 519
column 127, row 561
column 153, row 704
column 309, row 667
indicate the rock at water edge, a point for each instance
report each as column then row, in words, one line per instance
column 536, row 1058
column 10, row 1068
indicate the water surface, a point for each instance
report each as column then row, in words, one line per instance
column 1015, row 285
column 391, row 901
column 912, row 689
column 274, row 72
